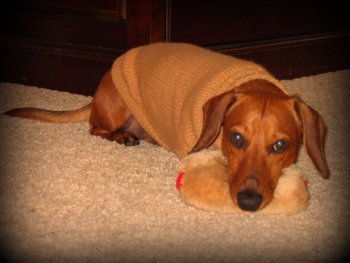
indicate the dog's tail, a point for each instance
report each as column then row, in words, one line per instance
column 78, row 115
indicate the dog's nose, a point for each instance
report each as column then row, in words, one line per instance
column 249, row 200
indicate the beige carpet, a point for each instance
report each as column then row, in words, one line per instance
column 67, row 196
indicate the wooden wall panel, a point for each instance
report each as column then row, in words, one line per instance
column 68, row 44
column 228, row 22
column 64, row 45
column 291, row 39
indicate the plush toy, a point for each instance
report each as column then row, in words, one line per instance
column 202, row 182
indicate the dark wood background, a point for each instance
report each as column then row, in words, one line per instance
column 68, row 44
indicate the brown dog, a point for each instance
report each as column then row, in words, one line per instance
column 262, row 129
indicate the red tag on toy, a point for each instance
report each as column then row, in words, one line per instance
column 305, row 180
column 179, row 180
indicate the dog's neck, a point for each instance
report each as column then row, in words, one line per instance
column 261, row 86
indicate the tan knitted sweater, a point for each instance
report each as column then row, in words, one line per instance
column 166, row 85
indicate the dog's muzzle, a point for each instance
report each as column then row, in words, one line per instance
column 249, row 200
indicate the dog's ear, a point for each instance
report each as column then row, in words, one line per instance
column 214, row 112
column 314, row 133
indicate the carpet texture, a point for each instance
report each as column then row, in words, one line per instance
column 67, row 196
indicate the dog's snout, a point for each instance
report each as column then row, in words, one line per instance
column 249, row 200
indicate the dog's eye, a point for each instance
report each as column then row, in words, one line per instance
column 279, row 146
column 237, row 139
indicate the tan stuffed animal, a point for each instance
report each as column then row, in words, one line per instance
column 202, row 182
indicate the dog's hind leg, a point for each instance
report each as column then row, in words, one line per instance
column 121, row 135
column 110, row 117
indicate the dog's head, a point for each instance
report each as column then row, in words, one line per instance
column 261, row 135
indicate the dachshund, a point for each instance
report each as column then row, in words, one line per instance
column 262, row 131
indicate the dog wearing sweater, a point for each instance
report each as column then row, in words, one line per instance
column 186, row 98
